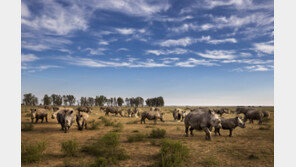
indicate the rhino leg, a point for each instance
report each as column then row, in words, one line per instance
column 208, row 133
column 42, row 119
column 191, row 131
column 85, row 125
column 230, row 132
column 36, row 120
column 217, row 130
column 186, row 131
column 260, row 121
column 155, row 120
column 32, row 120
column 46, row 119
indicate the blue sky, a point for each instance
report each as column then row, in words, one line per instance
column 216, row 52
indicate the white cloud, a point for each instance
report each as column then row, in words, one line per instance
column 209, row 40
column 122, row 49
column 192, row 62
column 58, row 19
column 265, row 47
column 177, row 42
column 125, row 31
column 171, row 19
column 177, row 51
column 259, row 68
column 98, row 51
column 25, row 11
column 218, row 54
column 29, row 57
column 248, row 61
column 135, row 8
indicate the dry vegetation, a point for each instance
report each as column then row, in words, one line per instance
column 252, row 146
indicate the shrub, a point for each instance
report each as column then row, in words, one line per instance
column 172, row 154
column 136, row 138
column 157, row 133
column 133, row 122
column 27, row 127
column 252, row 156
column 209, row 161
column 106, row 122
column 33, row 152
column 92, row 125
column 118, row 127
column 106, row 150
column 69, row 148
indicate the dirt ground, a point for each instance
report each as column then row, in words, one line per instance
column 250, row 146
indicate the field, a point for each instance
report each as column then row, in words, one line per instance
column 251, row 146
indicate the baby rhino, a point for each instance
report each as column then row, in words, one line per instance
column 230, row 124
column 81, row 119
column 151, row 115
column 37, row 114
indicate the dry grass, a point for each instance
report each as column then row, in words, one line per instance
column 248, row 147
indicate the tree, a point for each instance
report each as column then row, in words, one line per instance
column 65, row 99
column 83, row 101
column 156, row 101
column 30, row 99
column 47, row 100
column 100, row 100
column 57, row 99
column 71, row 99
column 127, row 102
column 90, row 101
column 120, row 101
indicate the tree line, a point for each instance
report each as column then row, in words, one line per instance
column 70, row 100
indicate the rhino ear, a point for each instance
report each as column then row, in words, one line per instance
column 71, row 112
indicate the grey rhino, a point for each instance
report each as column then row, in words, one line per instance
column 202, row 120
column 81, row 120
column 177, row 114
column 37, row 114
column 152, row 115
column 84, row 109
column 266, row 114
column 68, row 119
column 230, row 124
column 114, row 110
column 133, row 112
column 221, row 111
column 251, row 114
column 56, row 110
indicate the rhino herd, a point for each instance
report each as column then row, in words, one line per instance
column 202, row 119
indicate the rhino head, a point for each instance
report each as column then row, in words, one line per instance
column 68, row 119
column 215, row 121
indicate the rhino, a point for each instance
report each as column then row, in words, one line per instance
column 202, row 120
column 68, row 119
column 221, row 111
column 56, row 110
column 177, row 114
column 184, row 113
column 152, row 115
column 230, row 124
column 266, row 114
column 114, row 110
column 251, row 114
column 37, row 114
column 81, row 119
column 84, row 109
column 133, row 112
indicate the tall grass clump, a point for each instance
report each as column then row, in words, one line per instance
column 157, row 133
column 209, row 161
column 93, row 125
column 106, row 121
column 69, row 148
column 172, row 154
column 32, row 152
column 27, row 127
column 136, row 137
column 106, row 150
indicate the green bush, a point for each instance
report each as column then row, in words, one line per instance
column 69, row 148
column 136, row 137
column 157, row 133
column 107, row 122
column 27, row 127
column 93, row 125
column 106, row 150
column 172, row 154
column 33, row 152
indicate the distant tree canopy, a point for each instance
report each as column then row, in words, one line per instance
column 30, row 100
column 55, row 99
column 155, row 102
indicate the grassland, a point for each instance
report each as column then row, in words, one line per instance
column 252, row 146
